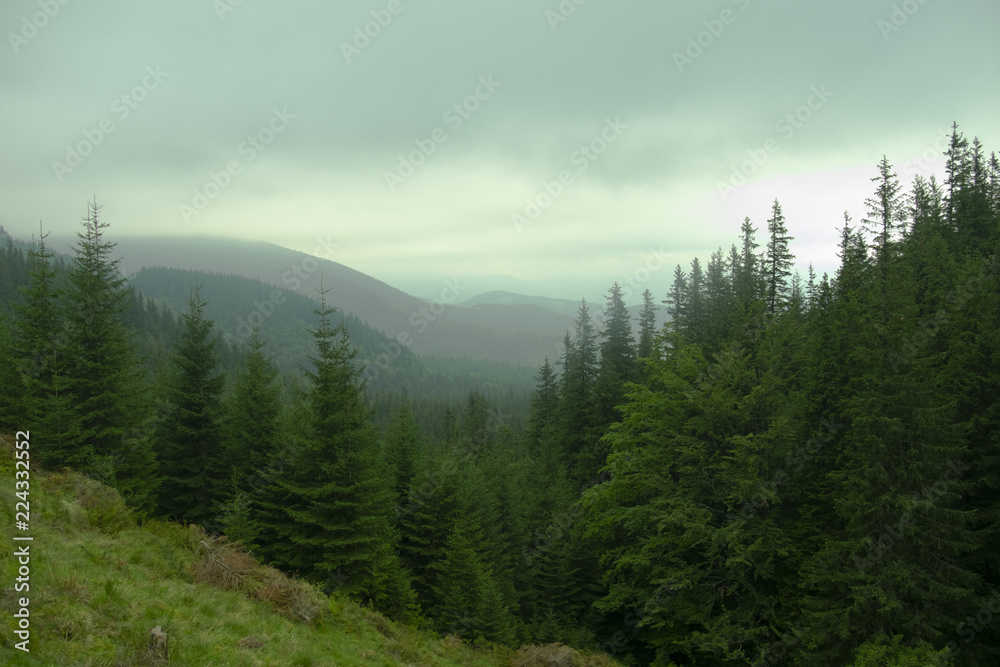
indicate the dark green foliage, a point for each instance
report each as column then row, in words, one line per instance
column 647, row 325
column 11, row 386
column 327, row 515
column 777, row 261
column 190, row 436
column 41, row 347
column 104, row 378
column 253, row 412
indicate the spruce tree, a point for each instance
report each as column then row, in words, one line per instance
column 328, row 515
column 578, row 418
column 11, row 387
column 112, row 410
column 254, row 411
column 543, row 415
column 41, row 348
column 647, row 325
column 777, row 262
column 190, row 439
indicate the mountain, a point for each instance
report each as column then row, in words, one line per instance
column 512, row 333
column 565, row 307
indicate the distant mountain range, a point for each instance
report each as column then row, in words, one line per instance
column 518, row 330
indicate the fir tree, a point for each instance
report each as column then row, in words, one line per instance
column 192, row 458
column 328, row 515
column 41, row 347
column 102, row 371
column 777, row 262
column 647, row 325
column 254, row 411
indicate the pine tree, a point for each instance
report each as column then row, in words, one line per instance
column 11, row 387
column 543, row 416
column 102, row 371
column 577, row 415
column 404, row 447
column 254, row 411
column 425, row 518
column 647, row 325
column 41, row 349
column 471, row 606
column 328, row 515
column 191, row 454
column 777, row 262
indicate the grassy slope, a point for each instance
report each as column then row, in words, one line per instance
column 98, row 584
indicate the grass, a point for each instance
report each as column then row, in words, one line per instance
column 99, row 583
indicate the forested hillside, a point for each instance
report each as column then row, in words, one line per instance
column 796, row 470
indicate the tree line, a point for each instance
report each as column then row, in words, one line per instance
column 795, row 469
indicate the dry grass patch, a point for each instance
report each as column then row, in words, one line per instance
column 226, row 566
column 556, row 655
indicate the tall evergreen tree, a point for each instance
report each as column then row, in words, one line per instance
column 328, row 515
column 778, row 261
column 41, row 349
column 254, row 411
column 577, row 415
column 192, row 458
column 113, row 413
column 11, row 387
column 647, row 325
column 543, row 417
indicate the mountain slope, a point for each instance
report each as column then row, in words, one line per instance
column 511, row 334
column 99, row 583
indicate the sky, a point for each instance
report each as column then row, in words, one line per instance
column 561, row 144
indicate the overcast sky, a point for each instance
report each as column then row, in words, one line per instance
column 621, row 121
